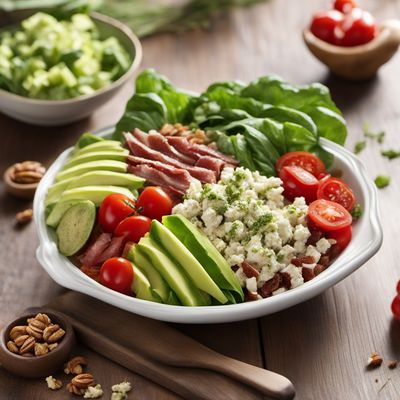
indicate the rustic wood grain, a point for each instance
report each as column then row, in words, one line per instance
column 321, row 345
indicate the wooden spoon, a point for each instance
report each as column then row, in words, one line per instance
column 358, row 62
column 160, row 342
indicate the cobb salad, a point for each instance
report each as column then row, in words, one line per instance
column 203, row 200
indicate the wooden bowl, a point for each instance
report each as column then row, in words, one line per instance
column 358, row 62
column 22, row 190
column 38, row 366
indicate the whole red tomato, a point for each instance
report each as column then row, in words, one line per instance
column 133, row 228
column 113, row 209
column 154, row 203
column 344, row 6
column 359, row 27
column 117, row 274
column 324, row 24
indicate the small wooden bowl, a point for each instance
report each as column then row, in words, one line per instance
column 358, row 62
column 38, row 366
column 21, row 190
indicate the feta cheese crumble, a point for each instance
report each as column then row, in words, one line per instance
column 246, row 218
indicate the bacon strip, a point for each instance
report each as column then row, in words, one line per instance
column 95, row 249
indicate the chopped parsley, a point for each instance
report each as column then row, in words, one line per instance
column 378, row 136
column 382, row 181
column 360, row 146
column 390, row 154
column 356, row 211
column 261, row 222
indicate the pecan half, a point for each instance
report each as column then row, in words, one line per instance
column 75, row 365
column 25, row 216
column 75, row 390
column 374, row 360
column 392, row 364
column 36, row 323
column 53, row 333
column 19, row 341
column 52, row 346
column 18, row 331
column 35, row 332
column 43, row 318
column 82, row 381
column 28, row 345
column 12, row 347
column 27, row 172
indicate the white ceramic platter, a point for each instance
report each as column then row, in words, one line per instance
column 367, row 239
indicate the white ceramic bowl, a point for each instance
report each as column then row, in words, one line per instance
column 367, row 239
column 61, row 112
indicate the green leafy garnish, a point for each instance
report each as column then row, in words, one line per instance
column 390, row 154
column 382, row 181
column 356, row 211
column 360, row 146
column 378, row 136
column 257, row 123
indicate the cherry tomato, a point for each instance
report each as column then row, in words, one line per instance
column 297, row 182
column 334, row 189
column 344, row 6
column 358, row 28
column 117, row 274
column 113, row 209
column 153, row 202
column 133, row 228
column 398, row 287
column 396, row 307
column 329, row 216
column 303, row 159
column 342, row 237
column 324, row 24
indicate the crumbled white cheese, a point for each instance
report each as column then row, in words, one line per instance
column 323, row 245
column 279, row 291
column 93, row 392
column 120, row 391
column 251, row 284
column 313, row 252
column 296, row 278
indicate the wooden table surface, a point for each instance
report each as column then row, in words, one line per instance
column 321, row 345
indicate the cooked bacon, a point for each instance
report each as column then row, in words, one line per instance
column 249, row 270
column 308, row 274
column 139, row 149
column 95, row 249
column 286, row 280
column 250, row 296
column 299, row 261
column 91, row 272
column 318, row 269
column 114, row 249
column 173, row 178
column 198, row 150
column 270, row 286
column 215, row 164
column 158, row 142
column 141, row 136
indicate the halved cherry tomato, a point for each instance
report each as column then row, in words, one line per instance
column 334, row 189
column 324, row 24
column 133, row 228
column 117, row 274
column 359, row 27
column 328, row 216
column 396, row 307
column 114, row 208
column 344, row 6
column 342, row 237
column 154, row 203
column 297, row 182
column 303, row 159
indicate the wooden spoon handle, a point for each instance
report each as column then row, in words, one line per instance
column 266, row 382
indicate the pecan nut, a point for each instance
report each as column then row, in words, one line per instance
column 17, row 331
column 52, row 346
column 35, row 332
column 75, row 365
column 82, row 381
column 374, row 360
column 28, row 345
column 35, row 323
column 27, row 172
column 43, row 318
column 41, row 349
column 53, row 333
column 19, row 341
column 25, row 216
column 12, row 347
column 75, row 390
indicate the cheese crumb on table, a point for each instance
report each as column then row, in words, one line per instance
column 93, row 392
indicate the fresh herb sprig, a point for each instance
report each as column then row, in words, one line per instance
column 378, row 136
column 390, row 154
column 360, row 146
column 381, row 181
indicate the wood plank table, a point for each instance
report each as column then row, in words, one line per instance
column 321, row 345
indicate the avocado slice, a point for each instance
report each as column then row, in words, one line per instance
column 207, row 255
column 157, row 282
column 99, row 146
column 182, row 256
column 96, row 194
column 108, row 165
column 86, row 139
column 75, row 227
column 141, row 286
column 175, row 276
column 118, row 155
column 99, row 178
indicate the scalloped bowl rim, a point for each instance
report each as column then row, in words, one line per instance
column 365, row 243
